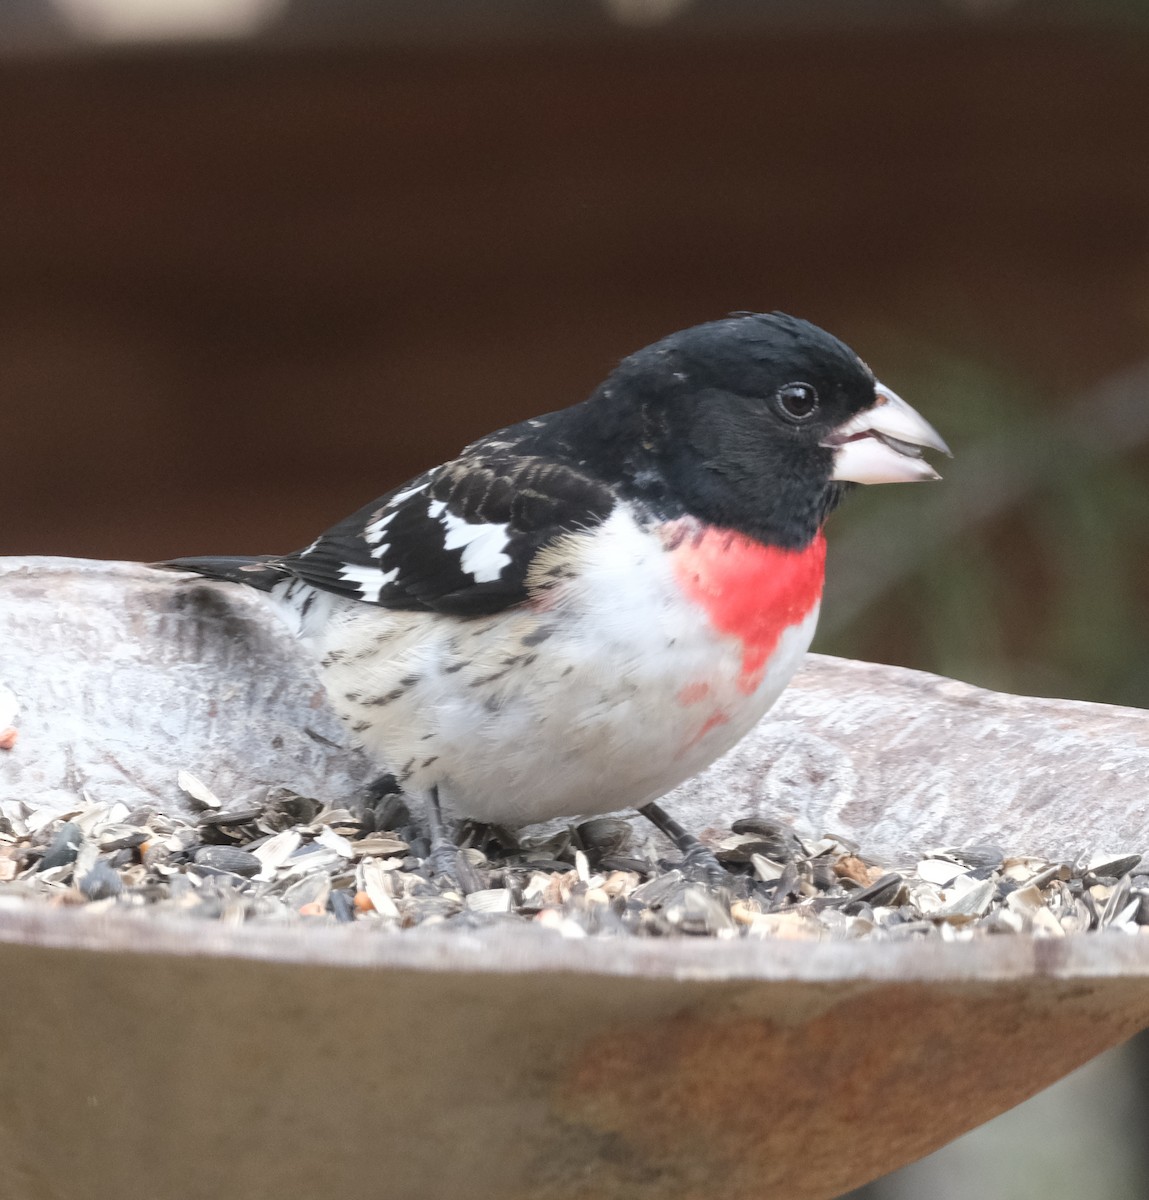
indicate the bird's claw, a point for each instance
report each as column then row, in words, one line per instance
column 444, row 859
column 700, row 866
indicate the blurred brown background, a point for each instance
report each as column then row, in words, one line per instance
column 249, row 282
column 244, row 290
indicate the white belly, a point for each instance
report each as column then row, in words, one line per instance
column 608, row 695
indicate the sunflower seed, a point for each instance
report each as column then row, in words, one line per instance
column 377, row 889
column 1112, row 865
column 605, row 835
column 101, row 883
column 197, row 790
column 1117, row 901
column 342, row 904
column 1025, row 901
column 1045, row 924
column 879, row 892
column 741, row 847
column 228, row 858
column 967, row 904
column 940, row 871
column 378, row 846
column 64, row 847
column 490, row 900
column 276, row 851
column 695, row 910
column 1052, row 872
column 982, row 854
column 778, row 840
column 236, row 816
column 654, row 893
column 766, row 870
column 312, row 890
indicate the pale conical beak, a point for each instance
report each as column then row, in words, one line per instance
column 883, row 443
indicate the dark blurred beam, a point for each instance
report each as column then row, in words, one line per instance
column 70, row 26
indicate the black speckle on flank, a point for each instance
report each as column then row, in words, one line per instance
column 487, row 679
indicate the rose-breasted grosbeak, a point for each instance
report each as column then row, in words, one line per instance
column 585, row 609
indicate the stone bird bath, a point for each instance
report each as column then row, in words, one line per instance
column 153, row 1057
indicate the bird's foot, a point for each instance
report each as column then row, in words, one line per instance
column 700, row 866
column 444, row 860
column 447, row 861
column 698, row 863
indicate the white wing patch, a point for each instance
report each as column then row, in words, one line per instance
column 406, row 494
column 483, row 546
column 374, row 531
column 369, row 580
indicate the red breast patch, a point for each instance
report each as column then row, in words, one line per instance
column 747, row 590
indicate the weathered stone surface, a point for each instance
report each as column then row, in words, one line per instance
column 515, row 1063
column 901, row 760
column 126, row 675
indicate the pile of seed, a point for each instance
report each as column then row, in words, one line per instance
column 288, row 859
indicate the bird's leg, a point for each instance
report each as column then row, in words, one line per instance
column 697, row 861
column 444, row 856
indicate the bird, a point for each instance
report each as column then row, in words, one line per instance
column 585, row 609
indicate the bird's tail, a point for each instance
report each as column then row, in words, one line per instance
column 253, row 570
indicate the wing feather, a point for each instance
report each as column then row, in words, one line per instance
column 459, row 539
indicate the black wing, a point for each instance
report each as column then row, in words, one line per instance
column 459, row 539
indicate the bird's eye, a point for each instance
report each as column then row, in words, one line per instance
column 797, row 401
